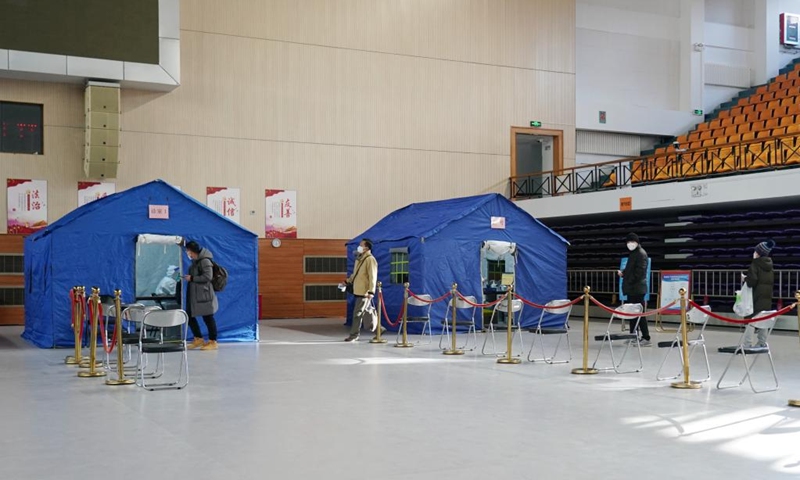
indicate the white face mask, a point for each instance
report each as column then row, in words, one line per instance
column 360, row 249
column 755, row 255
column 631, row 246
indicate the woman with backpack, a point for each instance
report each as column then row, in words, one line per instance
column 201, row 300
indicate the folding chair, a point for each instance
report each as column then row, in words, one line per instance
column 632, row 338
column 699, row 320
column 160, row 320
column 753, row 352
column 422, row 308
column 561, row 329
column 515, row 317
column 463, row 305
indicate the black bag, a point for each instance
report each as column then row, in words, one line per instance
column 219, row 277
column 348, row 287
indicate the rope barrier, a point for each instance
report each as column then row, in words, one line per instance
column 429, row 301
column 105, row 333
column 746, row 320
column 632, row 315
column 386, row 315
column 545, row 307
column 480, row 305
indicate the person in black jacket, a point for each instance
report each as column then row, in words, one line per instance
column 761, row 278
column 634, row 283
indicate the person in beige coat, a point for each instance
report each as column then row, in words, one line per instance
column 363, row 279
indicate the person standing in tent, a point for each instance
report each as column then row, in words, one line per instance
column 201, row 299
column 363, row 280
column 634, row 284
column 168, row 285
column 761, row 278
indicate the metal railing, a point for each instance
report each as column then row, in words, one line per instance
column 776, row 152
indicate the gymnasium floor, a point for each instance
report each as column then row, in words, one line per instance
column 302, row 404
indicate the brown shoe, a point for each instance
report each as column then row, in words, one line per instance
column 196, row 343
column 211, row 345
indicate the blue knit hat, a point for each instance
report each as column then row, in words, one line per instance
column 763, row 249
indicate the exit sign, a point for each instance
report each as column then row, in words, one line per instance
column 536, row 123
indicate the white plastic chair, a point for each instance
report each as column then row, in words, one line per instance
column 162, row 319
column 419, row 311
column 515, row 317
column 562, row 308
column 751, row 352
column 608, row 338
column 462, row 305
column 699, row 320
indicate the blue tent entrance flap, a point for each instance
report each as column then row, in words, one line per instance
column 441, row 241
column 95, row 245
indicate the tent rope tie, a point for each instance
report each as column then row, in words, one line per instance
column 632, row 315
column 103, row 329
column 386, row 315
column 435, row 300
column 480, row 305
column 746, row 321
column 553, row 307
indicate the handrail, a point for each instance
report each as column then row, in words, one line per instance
column 657, row 168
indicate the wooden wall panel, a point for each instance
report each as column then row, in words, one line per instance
column 12, row 315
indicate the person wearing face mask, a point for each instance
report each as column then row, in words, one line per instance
column 634, row 283
column 761, row 278
column 363, row 279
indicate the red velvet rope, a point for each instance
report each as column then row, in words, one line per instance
column 631, row 315
column 545, row 307
column 72, row 308
column 746, row 320
column 435, row 300
column 83, row 316
column 103, row 329
column 481, row 305
column 386, row 315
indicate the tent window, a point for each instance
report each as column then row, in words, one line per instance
column 399, row 266
column 496, row 269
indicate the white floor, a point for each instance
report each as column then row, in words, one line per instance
column 302, row 404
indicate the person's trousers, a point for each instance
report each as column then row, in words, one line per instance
column 642, row 320
column 761, row 334
column 362, row 311
column 211, row 324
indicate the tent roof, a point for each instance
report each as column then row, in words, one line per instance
column 426, row 219
column 121, row 209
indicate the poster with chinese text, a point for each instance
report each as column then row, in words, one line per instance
column 281, row 214
column 225, row 201
column 90, row 191
column 27, row 205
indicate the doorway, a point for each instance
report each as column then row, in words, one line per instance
column 536, row 158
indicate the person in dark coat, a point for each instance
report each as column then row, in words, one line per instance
column 634, row 283
column 201, row 300
column 761, row 278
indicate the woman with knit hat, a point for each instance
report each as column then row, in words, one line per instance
column 761, row 278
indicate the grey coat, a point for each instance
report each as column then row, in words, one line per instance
column 201, row 299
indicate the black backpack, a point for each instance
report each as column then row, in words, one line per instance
column 219, row 277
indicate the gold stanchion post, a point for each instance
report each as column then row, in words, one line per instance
column 77, row 322
column 453, row 350
column 686, row 383
column 404, row 343
column 120, row 380
column 379, row 308
column 94, row 313
column 509, row 360
column 796, row 403
column 585, row 370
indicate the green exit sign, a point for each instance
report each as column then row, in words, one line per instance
column 536, row 123
column 698, row 112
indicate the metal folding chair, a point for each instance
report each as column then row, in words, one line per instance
column 562, row 312
column 698, row 320
column 515, row 317
column 748, row 352
column 163, row 319
column 461, row 305
column 420, row 306
column 608, row 338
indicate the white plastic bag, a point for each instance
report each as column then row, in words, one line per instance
column 744, row 301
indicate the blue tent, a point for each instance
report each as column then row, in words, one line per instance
column 95, row 245
column 443, row 242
